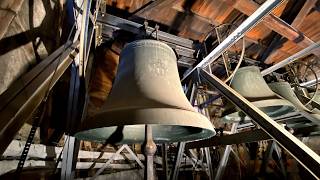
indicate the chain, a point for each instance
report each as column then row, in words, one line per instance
column 30, row 138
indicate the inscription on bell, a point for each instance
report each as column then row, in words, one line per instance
column 158, row 67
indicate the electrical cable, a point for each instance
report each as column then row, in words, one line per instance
column 241, row 55
column 239, row 63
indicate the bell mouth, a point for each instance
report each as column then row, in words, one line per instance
column 128, row 126
column 134, row 134
column 274, row 108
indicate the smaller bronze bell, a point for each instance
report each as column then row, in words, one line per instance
column 284, row 90
column 249, row 82
column 147, row 90
column 317, row 97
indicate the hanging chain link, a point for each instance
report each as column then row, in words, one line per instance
column 30, row 138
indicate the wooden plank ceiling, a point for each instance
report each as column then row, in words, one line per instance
column 292, row 26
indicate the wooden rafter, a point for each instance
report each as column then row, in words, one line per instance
column 309, row 4
column 274, row 23
column 155, row 7
column 203, row 10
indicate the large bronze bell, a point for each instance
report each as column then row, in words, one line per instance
column 147, row 90
column 249, row 82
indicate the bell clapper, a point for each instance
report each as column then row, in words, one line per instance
column 149, row 151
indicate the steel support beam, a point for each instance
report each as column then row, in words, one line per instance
column 25, row 95
column 69, row 160
column 223, row 163
column 120, row 23
column 164, row 149
column 237, row 34
column 183, row 47
column 209, row 164
column 302, row 153
column 310, row 83
column 175, row 172
column 84, row 36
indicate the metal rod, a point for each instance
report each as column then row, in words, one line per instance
column 302, row 153
column 69, row 149
column 209, row 164
column 108, row 162
column 280, row 161
column 149, row 151
column 238, row 33
column 310, row 83
column 292, row 58
column 267, row 156
column 224, row 55
column 179, row 156
column 165, row 161
column 134, row 156
column 83, row 35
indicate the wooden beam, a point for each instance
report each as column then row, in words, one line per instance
column 194, row 15
column 308, row 5
column 274, row 23
column 8, row 10
column 217, row 18
column 155, row 7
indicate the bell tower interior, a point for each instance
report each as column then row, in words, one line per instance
column 160, row 89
